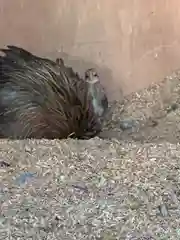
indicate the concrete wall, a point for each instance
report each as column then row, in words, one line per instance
column 132, row 42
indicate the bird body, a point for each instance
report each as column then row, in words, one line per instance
column 41, row 98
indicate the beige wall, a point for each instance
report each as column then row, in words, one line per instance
column 132, row 42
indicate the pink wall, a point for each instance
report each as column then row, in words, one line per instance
column 131, row 42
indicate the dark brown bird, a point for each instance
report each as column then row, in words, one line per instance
column 40, row 98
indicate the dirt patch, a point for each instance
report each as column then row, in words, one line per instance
column 151, row 114
column 120, row 188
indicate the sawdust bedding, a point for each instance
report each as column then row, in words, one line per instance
column 123, row 187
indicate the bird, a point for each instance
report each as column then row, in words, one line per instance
column 42, row 98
